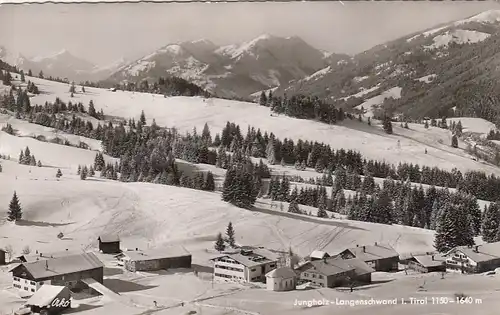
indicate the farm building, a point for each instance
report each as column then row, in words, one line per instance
column 66, row 270
column 248, row 265
column 318, row 255
column 427, row 263
column 334, row 271
column 156, row 259
column 380, row 257
column 474, row 259
column 109, row 244
column 51, row 299
column 2, row 257
column 281, row 279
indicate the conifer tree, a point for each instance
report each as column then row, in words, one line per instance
column 454, row 141
column 293, row 206
column 387, row 125
column 23, row 79
column 230, row 234
column 219, row 243
column 270, row 152
column 453, row 228
column 79, row 171
column 491, row 220
column 84, row 172
column 142, row 119
column 91, row 171
column 15, row 211
column 263, row 99
column 59, row 173
column 209, row 183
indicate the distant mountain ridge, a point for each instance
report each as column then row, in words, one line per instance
column 236, row 70
column 62, row 64
column 437, row 72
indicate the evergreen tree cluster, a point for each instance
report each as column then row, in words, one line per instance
column 26, row 158
column 493, row 135
column 8, row 129
column 242, row 185
column 169, row 86
column 302, row 106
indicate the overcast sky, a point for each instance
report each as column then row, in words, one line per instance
column 103, row 33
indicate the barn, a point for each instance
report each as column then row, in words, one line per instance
column 109, row 243
column 156, row 259
column 65, row 270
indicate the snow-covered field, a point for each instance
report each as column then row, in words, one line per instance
column 458, row 37
column 370, row 103
column 185, row 113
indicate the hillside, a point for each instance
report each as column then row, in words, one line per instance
column 438, row 72
column 184, row 113
column 236, row 70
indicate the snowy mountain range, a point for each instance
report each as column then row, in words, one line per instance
column 455, row 56
column 62, row 64
column 233, row 70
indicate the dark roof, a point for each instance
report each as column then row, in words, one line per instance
column 61, row 266
column 373, row 252
column 108, row 238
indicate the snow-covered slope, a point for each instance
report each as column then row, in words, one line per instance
column 185, row 113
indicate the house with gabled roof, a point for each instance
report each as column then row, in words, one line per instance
column 167, row 257
column 335, row 271
column 246, row 265
column 65, row 270
column 427, row 263
column 318, row 255
column 473, row 259
column 380, row 257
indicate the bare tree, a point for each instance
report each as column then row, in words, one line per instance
column 9, row 251
column 26, row 250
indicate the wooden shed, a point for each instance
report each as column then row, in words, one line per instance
column 109, row 243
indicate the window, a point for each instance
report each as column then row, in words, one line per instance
column 272, row 266
column 32, row 290
column 32, row 282
column 26, row 288
column 320, row 276
column 253, row 269
column 314, row 275
column 306, row 274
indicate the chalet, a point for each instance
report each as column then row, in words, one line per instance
column 380, row 257
column 474, row 259
column 427, row 263
column 50, row 299
column 281, row 279
column 2, row 257
column 318, row 255
column 156, row 259
column 67, row 271
column 335, row 271
column 248, row 265
column 109, row 244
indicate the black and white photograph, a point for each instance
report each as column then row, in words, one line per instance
column 250, row 158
